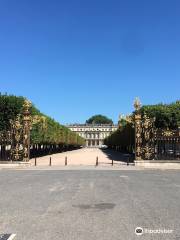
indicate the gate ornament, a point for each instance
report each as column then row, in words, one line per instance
column 167, row 133
column 148, row 152
column 138, row 130
column 16, row 131
column 20, row 134
column 152, row 143
column 144, row 134
column 26, row 129
column 137, row 104
column 148, row 137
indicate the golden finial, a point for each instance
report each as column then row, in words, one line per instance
column 120, row 117
column 27, row 103
column 137, row 104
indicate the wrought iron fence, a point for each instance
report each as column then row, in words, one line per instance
column 152, row 143
column 167, row 144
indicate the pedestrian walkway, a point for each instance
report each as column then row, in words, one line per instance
column 84, row 156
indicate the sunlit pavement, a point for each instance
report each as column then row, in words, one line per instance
column 84, row 156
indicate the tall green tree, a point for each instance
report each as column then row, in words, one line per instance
column 166, row 115
column 99, row 119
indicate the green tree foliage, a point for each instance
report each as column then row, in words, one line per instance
column 45, row 130
column 122, row 122
column 166, row 115
column 122, row 139
column 99, row 119
column 10, row 106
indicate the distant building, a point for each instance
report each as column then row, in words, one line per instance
column 93, row 134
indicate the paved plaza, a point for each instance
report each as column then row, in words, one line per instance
column 89, row 204
column 84, row 157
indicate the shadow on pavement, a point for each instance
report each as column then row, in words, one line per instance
column 124, row 158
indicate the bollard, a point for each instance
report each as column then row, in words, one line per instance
column 66, row 161
column 128, row 160
column 112, row 162
column 35, row 162
column 97, row 161
column 50, row 163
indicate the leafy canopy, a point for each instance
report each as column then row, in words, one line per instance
column 99, row 119
column 166, row 115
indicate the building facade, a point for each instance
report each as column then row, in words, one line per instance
column 93, row 134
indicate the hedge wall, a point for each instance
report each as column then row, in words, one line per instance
column 45, row 130
column 123, row 139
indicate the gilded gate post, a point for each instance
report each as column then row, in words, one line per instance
column 16, row 131
column 148, row 137
column 138, row 130
column 26, row 130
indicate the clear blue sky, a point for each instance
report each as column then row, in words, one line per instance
column 76, row 58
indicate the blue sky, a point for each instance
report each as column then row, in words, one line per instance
column 77, row 58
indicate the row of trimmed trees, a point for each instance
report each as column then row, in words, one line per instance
column 123, row 139
column 47, row 135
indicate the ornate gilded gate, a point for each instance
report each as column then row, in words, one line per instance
column 152, row 143
column 167, row 144
column 15, row 143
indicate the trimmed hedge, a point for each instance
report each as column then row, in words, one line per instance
column 45, row 130
column 123, row 139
